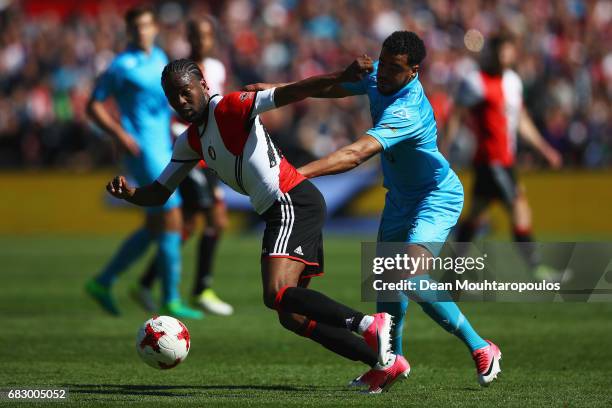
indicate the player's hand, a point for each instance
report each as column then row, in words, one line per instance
column 118, row 187
column 361, row 66
column 129, row 144
column 553, row 158
column 260, row 86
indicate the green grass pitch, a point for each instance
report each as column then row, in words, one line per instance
column 53, row 336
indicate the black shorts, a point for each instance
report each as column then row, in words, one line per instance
column 198, row 189
column 294, row 226
column 495, row 182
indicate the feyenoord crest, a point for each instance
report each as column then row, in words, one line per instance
column 211, row 153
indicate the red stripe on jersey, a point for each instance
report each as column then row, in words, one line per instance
column 233, row 116
column 491, row 124
column 194, row 142
column 193, row 138
column 288, row 177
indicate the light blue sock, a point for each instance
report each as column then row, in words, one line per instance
column 443, row 310
column 131, row 249
column 396, row 309
column 168, row 262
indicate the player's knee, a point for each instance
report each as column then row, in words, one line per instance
column 522, row 215
column 269, row 299
column 273, row 295
column 173, row 220
column 220, row 224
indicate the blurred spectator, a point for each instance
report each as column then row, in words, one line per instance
column 50, row 52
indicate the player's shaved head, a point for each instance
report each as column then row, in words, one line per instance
column 186, row 89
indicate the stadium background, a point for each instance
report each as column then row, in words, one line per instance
column 51, row 52
column 57, row 226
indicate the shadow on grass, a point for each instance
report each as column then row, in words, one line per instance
column 174, row 390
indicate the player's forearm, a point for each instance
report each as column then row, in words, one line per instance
column 151, row 195
column 100, row 115
column 316, row 86
column 338, row 162
column 344, row 159
column 332, row 91
column 450, row 131
column 530, row 133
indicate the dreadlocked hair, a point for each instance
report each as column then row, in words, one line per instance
column 182, row 67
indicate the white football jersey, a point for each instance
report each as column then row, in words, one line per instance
column 235, row 145
column 496, row 103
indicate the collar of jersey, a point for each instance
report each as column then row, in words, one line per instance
column 202, row 127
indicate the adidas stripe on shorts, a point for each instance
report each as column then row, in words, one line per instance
column 294, row 225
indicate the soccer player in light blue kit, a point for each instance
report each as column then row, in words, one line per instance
column 133, row 81
column 424, row 198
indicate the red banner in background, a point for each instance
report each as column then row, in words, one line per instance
column 65, row 8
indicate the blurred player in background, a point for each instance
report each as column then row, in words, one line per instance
column 491, row 101
column 133, row 81
column 424, row 197
column 228, row 135
column 200, row 190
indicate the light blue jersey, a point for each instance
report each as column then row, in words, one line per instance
column 133, row 80
column 425, row 196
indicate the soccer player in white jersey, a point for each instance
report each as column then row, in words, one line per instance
column 227, row 134
column 491, row 101
column 200, row 190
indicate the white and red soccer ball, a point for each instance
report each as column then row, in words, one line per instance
column 163, row 342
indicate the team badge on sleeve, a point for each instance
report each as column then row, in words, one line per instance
column 246, row 95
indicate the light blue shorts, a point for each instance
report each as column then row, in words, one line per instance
column 426, row 221
column 145, row 169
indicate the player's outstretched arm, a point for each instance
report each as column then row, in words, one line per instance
column 151, row 195
column 530, row 133
column 332, row 91
column 320, row 86
column 343, row 159
column 262, row 86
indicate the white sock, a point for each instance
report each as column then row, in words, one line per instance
column 365, row 323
